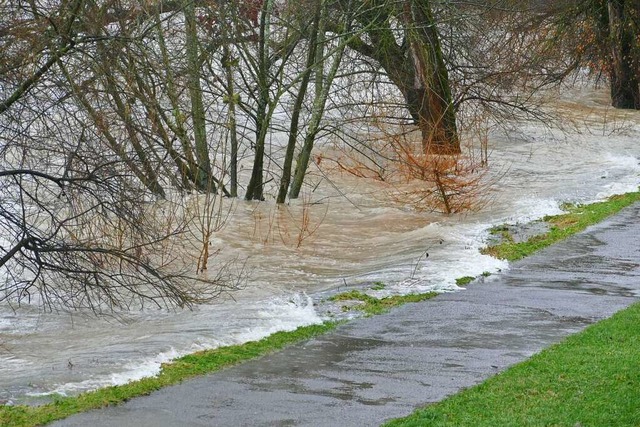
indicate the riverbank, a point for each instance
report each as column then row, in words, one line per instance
column 360, row 236
column 370, row 370
column 516, row 241
column 209, row 361
column 591, row 378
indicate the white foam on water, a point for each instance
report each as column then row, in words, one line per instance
column 274, row 315
column 458, row 257
column 132, row 372
column 533, row 209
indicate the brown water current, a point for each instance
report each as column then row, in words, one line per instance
column 344, row 230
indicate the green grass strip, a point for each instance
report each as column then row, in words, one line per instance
column 590, row 379
column 171, row 373
column 465, row 280
column 575, row 220
column 372, row 305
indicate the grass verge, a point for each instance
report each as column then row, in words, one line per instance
column 590, row 379
column 171, row 373
column 562, row 226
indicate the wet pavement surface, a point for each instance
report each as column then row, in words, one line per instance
column 375, row 369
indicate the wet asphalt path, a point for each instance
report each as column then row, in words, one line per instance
column 375, row 369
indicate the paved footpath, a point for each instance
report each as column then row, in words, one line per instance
column 375, row 369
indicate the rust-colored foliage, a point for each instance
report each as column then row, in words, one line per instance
column 447, row 183
column 250, row 9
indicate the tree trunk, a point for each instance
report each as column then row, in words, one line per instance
column 625, row 88
column 203, row 176
column 416, row 67
column 187, row 165
column 322, row 87
column 297, row 107
column 429, row 97
column 227, row 62
column 255, row 187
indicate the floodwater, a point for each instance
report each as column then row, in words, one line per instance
column 344, row 233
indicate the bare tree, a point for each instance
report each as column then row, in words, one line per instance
column 80, row 175
column 79, row 235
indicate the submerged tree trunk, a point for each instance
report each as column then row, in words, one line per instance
column 416, row 67
column 227, row 62
column 185, row 160
column 623, row 60
column 429, row 98
column 297, row 107
column 255, row 188
column 203, row 175
column 322, row 86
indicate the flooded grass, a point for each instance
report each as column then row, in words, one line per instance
column 577, row 218
column 371, row 305
column 464, row 281
column 590, row 379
